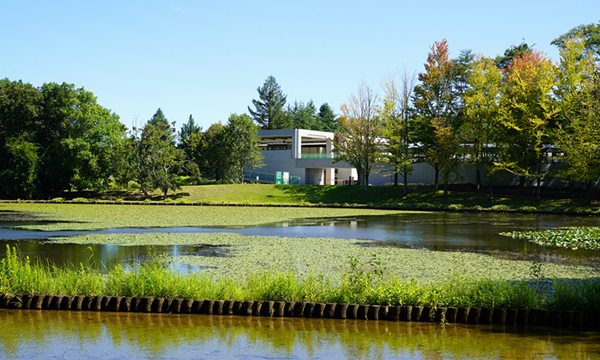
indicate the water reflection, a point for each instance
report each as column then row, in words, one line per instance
column 71, row 335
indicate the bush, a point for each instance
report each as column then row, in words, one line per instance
column 455, row 207
column 58, row 200
column 132, row 185
column 500, row 208
column 79, row 200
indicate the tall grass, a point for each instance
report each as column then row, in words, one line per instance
column 19, row 274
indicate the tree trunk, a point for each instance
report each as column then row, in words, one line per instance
column 165, row 191
column 522, row 180
column 588, row 185
column 478, row 173
column 396, row 179
column 571, row 187
column 437, row 177
column 145, row 192
column 538, row 190
column 405, row 183
column 445, row 188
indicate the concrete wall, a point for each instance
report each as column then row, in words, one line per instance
column 282, row 160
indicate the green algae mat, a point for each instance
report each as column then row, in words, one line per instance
column 96, row 216
column 330, row 257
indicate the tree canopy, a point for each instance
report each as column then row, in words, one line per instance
column 269, row 110
column 54, row 138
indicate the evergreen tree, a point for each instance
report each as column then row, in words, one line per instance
column 189, row 131
column 327, row 121
column 269, row 110
column 159, row 119
column 303, row 116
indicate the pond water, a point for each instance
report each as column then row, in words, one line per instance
column 74, row 335
column 435, row 231
column 98, row 335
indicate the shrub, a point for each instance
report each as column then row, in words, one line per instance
column 79, row 200
column 455, row 207
column 500, row 207
column 58, row 200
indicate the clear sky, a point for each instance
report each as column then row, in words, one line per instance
column 207, row 58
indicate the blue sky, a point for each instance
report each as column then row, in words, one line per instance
column 208, row 58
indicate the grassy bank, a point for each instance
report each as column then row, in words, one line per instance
column 357, row 285
column 418, row 198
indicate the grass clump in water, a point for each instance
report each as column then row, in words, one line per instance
column 570, row 238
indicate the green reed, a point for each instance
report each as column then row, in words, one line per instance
column 364, row 283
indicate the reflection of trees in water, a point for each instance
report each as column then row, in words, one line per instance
column 160, row 335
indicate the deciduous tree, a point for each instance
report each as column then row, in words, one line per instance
column 244, row 145
column 357, row 140
column 434, row 102
column 395, row 116
column 480, row 128
column 526, row 109
column 578, row 133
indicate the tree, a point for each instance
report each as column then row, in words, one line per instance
column 189, row 135
column 269, row 111
column 357, row 141
column 152, row 161
column 480, row 128
column 525, row 112
column 215, row 160
column 56, row 137
column 326, row 119
column 503, row 61
column 578, row 133
column 591, row 37
column 244, row 145
column 447, row 148
column 20, row 154
column 434, row 102
column 303, row 116
column 395, row 116
column 159, row 119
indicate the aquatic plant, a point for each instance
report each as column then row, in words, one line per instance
column 365, row 283
column 571, row 238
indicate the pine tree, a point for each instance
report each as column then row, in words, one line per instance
column 270, row 112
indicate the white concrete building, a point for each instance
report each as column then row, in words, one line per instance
column 307, row 155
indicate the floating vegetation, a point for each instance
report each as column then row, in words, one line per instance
column 362, row 282
column 570, row 238
column 328, row 256
column 91, row 216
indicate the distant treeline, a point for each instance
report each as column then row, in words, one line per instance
column 500, row 115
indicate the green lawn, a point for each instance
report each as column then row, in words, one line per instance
column 354, row 196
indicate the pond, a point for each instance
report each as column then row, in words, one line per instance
column 434, row 231
column 70, row 334
column 93, row 335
